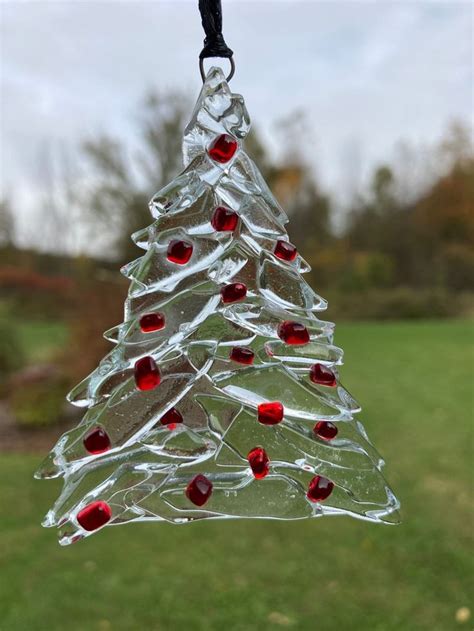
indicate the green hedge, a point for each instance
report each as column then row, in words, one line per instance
column 40, row 404
column 11, row 350
column 401, row 303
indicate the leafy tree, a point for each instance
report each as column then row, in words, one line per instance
column 425, row 242
column 443, row 222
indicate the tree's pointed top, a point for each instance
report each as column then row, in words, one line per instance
column 217, row 111
column 215, row 81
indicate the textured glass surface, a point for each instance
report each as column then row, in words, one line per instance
column 148, row 464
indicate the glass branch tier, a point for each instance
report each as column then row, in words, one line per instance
column 221, row 397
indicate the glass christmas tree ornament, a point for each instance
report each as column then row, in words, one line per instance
column 222, row 344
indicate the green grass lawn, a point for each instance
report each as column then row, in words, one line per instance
column 320, row 575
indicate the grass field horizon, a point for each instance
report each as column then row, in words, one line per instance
column 412, row 380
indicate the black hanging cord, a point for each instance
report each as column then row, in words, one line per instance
column 214, row 43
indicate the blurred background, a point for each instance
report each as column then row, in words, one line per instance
column 362, row 127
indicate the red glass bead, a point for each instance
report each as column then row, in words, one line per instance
column 325, row 430
column 152, row 322
column 285, row 250
column 97, row 441
column 199, row 490
column 171, row 418
column 94, row 515
column 242, row 355
column 147, row 374
column 258, row 461
column 224, row 219
column 179, row 251
column 233, row 292
column 223, row 148
column 270, row 413
column 319, row 489
column 293, row 332
column 322, row 375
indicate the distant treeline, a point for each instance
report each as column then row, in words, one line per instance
column 401, row 250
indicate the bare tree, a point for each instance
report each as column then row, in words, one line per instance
column 120, row 180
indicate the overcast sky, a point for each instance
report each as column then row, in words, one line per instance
column 366, row 73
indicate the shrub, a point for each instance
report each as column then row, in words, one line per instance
column 11, row 351
column 39, row 403
column 398, row 303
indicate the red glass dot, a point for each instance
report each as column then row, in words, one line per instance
column 171, row 418
column 325, row 430
column 322, row 375
column 97, row 441
column 94, row 515
column 233, row 292
column 147, row 374
column 293, row 332
column 285, row 250
column 179, row 251
column 199, row 490
column 270, row 413
column 224, row 219
column 223, row 148
column 319, row 489
column 152, row 322
column 258, row 461
column 242, row 355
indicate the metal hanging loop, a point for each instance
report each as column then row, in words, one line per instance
column 214, row 43
column 229, row 76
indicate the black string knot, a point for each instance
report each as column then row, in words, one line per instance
column 214, row 43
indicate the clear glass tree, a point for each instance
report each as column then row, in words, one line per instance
column 221, row 397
